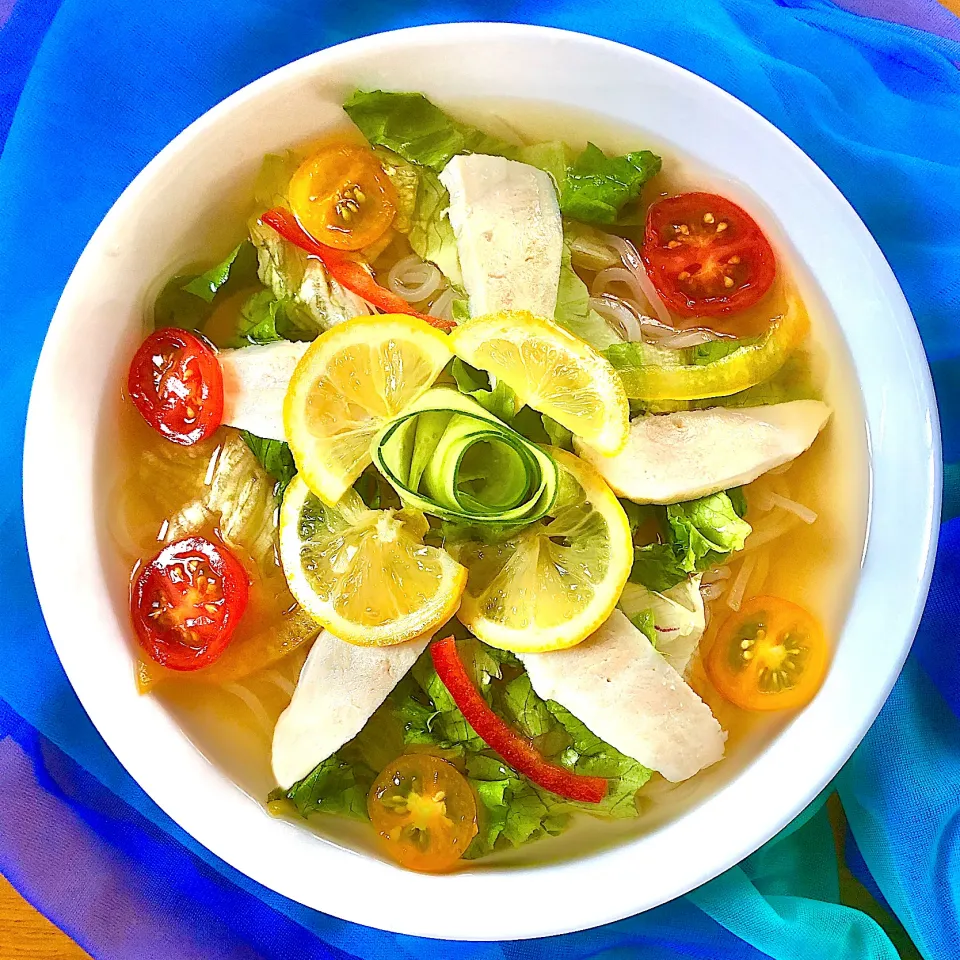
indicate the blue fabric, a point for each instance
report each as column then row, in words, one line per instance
column 874, row 103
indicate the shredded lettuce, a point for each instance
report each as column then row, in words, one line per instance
column 188, row 300
column 312, row 301
column 431, row 234
column 420, row 715
column 406, row 181
column 275, row 457
column 598, row 187
column 503, row 403
column 573, row 310
column 698, row 535
column 418, row 130
column 673, row 621
column 553, row 157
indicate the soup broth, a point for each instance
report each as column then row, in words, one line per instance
column 808, row 522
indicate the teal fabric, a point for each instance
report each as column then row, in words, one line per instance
column 875, row 104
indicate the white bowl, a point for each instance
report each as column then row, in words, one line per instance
column 162, row 220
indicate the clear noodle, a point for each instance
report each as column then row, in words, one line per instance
column 414, row 279
column 739, row 586
column 634, row 265
column 253, row 703
column 619, row 315
column 792, row 506
column 443, row 306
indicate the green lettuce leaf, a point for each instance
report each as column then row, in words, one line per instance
column 645, row 622
column 188, row 300
column 418, row 130
column 598, row 187
column 553, row 157
column 265, row 319
column 658, row 567
column 431, row 236
column 573, row 308
column 504, row 404
column 672, row 620
column 697, row 534
column 337, row 786
column 275, row 457
column 406, row 181
column 706, row 530
column 312, row 301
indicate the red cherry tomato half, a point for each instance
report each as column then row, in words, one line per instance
column 176, row 383
column 705, row 255
column 187, row 601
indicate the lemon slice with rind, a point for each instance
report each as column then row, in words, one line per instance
column 366, row 575
column 551, row 585
column 350, row 381
column 552, row 371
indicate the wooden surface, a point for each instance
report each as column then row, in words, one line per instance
column 26, row 935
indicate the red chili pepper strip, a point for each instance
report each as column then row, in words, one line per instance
column 349, row 273
column 515, row 749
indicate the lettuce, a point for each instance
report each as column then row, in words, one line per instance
column 698, row 534
column 336, row 786
column 188, row 300
column 275, row 457
column 598, row 187
column 420, row 715
column 573, row 310
column 311, row 301
column 418, row 130
column 706, row 530
column 265, row 319
column 431, row 235
column 503, row 403
column 406, row 181
column 673, row 621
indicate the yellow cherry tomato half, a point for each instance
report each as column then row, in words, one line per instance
column 770, row 655
column 342, row 197
column 424, row 811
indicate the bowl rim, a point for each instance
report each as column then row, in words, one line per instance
column 618, row 900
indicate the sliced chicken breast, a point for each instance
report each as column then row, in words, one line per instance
column 340, row 688
column 628, row 695
column 674, row 457
column 255, row 382
column 506, row 219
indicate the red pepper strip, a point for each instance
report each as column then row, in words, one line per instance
column 349, row 273
column 515, row 749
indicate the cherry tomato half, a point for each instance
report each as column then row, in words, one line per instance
column 342, row 197
column 424, row 811
column 187, row 601
column 705, row 255
column 770, row 655
column 176, row 383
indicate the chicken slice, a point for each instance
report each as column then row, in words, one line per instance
column 340, row 688
column 629, row 696
column 255, row 382
column 506, row 219
column 682, row 456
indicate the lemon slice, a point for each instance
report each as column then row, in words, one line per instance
column 366, row 575
column 551, row 371
column 351, row 380
column 552, row 584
